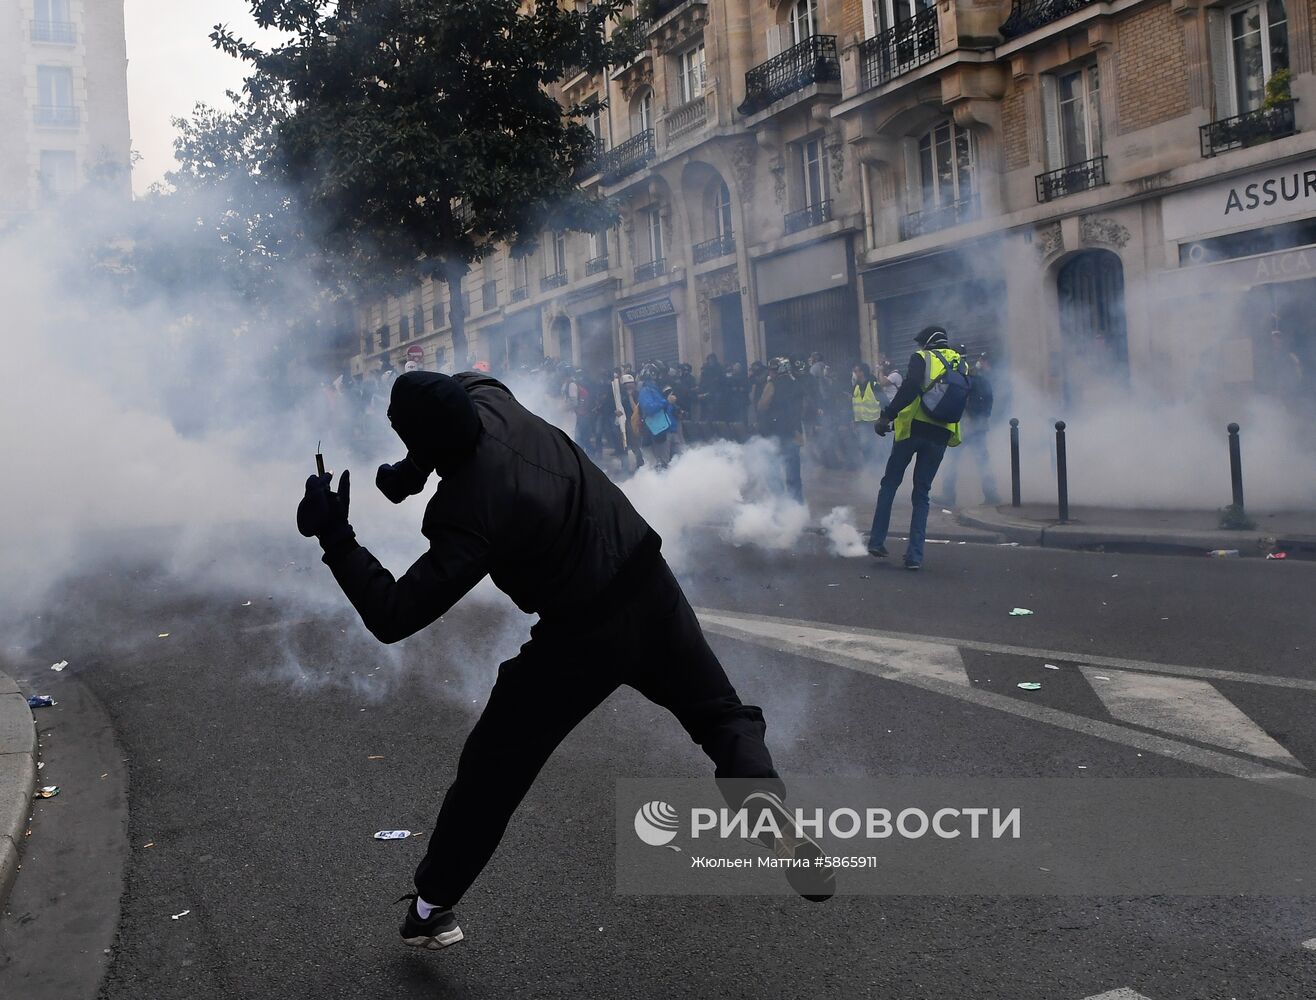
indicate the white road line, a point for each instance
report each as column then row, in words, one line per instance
column 880, row 657
column 1119, row 663
column 1123, row 993
column 1184, row 707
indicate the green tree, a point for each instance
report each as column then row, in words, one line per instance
column 418, row 135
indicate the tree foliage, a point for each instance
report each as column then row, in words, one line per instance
column 421, row 134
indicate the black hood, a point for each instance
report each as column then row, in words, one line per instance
column 435, row 419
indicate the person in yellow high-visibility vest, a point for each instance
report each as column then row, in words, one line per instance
column 919, row 438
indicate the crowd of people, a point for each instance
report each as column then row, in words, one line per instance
column 629, row 416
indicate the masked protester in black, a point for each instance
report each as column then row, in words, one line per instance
column 519, row 501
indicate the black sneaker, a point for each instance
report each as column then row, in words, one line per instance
column 913, row 567
column 439, row 931
column 814, row 881
column 879, row 553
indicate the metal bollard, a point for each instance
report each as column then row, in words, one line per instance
column 1062, row 471
column 1236, row 466
column 1014, row 462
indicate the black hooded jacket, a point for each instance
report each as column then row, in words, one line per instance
column 518, row 500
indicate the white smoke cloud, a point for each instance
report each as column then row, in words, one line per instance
column 843, row 538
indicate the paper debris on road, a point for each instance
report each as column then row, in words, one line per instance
column 1277, row 555
column 945, row 511
column 40, row 701
column 1101, row 677
column 1020, row 613
column 179, row 916
column 57, row 667
column 1050, row 666
column 1029, row 686
column 246, row 604
column 393, row 835
column 1223, row 553
column 150, row 844
column 378, row 756
column 163, row 635
column 48, row 792
column 1008, row 545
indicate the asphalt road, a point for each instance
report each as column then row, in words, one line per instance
column 265, row 744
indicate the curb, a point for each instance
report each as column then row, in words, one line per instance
column 18, row 777
column 1081, row 536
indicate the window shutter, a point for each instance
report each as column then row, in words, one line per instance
column 1217, row 29
column 1054, row 157
column 913, row 181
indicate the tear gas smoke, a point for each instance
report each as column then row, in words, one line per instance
column 843, row 538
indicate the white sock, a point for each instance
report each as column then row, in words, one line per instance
column 424, row 909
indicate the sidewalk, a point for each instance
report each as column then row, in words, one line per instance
column 18, row 775
column 1198, row 531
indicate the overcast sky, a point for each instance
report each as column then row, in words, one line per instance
column 171, row 66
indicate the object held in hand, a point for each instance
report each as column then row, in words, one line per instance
column 319, row 460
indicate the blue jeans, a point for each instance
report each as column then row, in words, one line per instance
column 927, row 455
column 790, row 457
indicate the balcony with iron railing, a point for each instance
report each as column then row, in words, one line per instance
column 628, row 158
column 937, row 217
column 1071, row 179
column 54, row 32
column 806, row 218
column 57, row 115
column 596, row 265
column 813, row 61
column 689, row 117
column 651, row 270
column 1029, row 15
column 555, row 280
column 718, row 246
column 1252, row 128
column 520, row 293
column 903, row 47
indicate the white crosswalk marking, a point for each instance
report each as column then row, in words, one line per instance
column 1184, row 707
column 938, row 667
column 1123, row 993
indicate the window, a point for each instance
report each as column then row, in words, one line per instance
column 595, row 123
column 945, row 166
column 58, row 173
column 643, row 113
column 804, row 20
column 889, row 13
column 654, row 222
column 814, row 162
column 1258, row 48
column 418, row 319
column 404, row 328
column 54, row 87
column 559, row 253
column 692, row 74
column 51, row 11
column 383, row 337
column 520, row 272
column 436, row 312
column 598, row 244
column 1072, row 105
column 722, row 211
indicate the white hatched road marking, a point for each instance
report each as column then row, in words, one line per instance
column 1123, row 993
column 1183, row 707
column 938, row 667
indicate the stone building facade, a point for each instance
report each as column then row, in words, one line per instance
column 1126, row 187
column 63, row 100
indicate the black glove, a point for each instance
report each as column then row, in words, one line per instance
column 323, row 513
column 397, row 482
column 882, row 426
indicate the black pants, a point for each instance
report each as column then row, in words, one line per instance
column 651, row 641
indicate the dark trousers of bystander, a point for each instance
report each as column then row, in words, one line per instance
column 926, row 454
column 560, row 676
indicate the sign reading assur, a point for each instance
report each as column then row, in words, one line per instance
column 1243, row 202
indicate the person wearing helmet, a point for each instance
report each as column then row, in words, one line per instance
column 519, row 502
column 919, row 438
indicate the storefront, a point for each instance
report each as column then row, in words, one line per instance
column 962, row 290
column 523, row 339
column 654, row 332
column 1242, row 299
column 807, row 303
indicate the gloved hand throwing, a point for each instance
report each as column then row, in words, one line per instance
column 323, row 513
column 397, row 482
column 882, row 427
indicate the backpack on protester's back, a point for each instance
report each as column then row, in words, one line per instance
column 945, row 398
